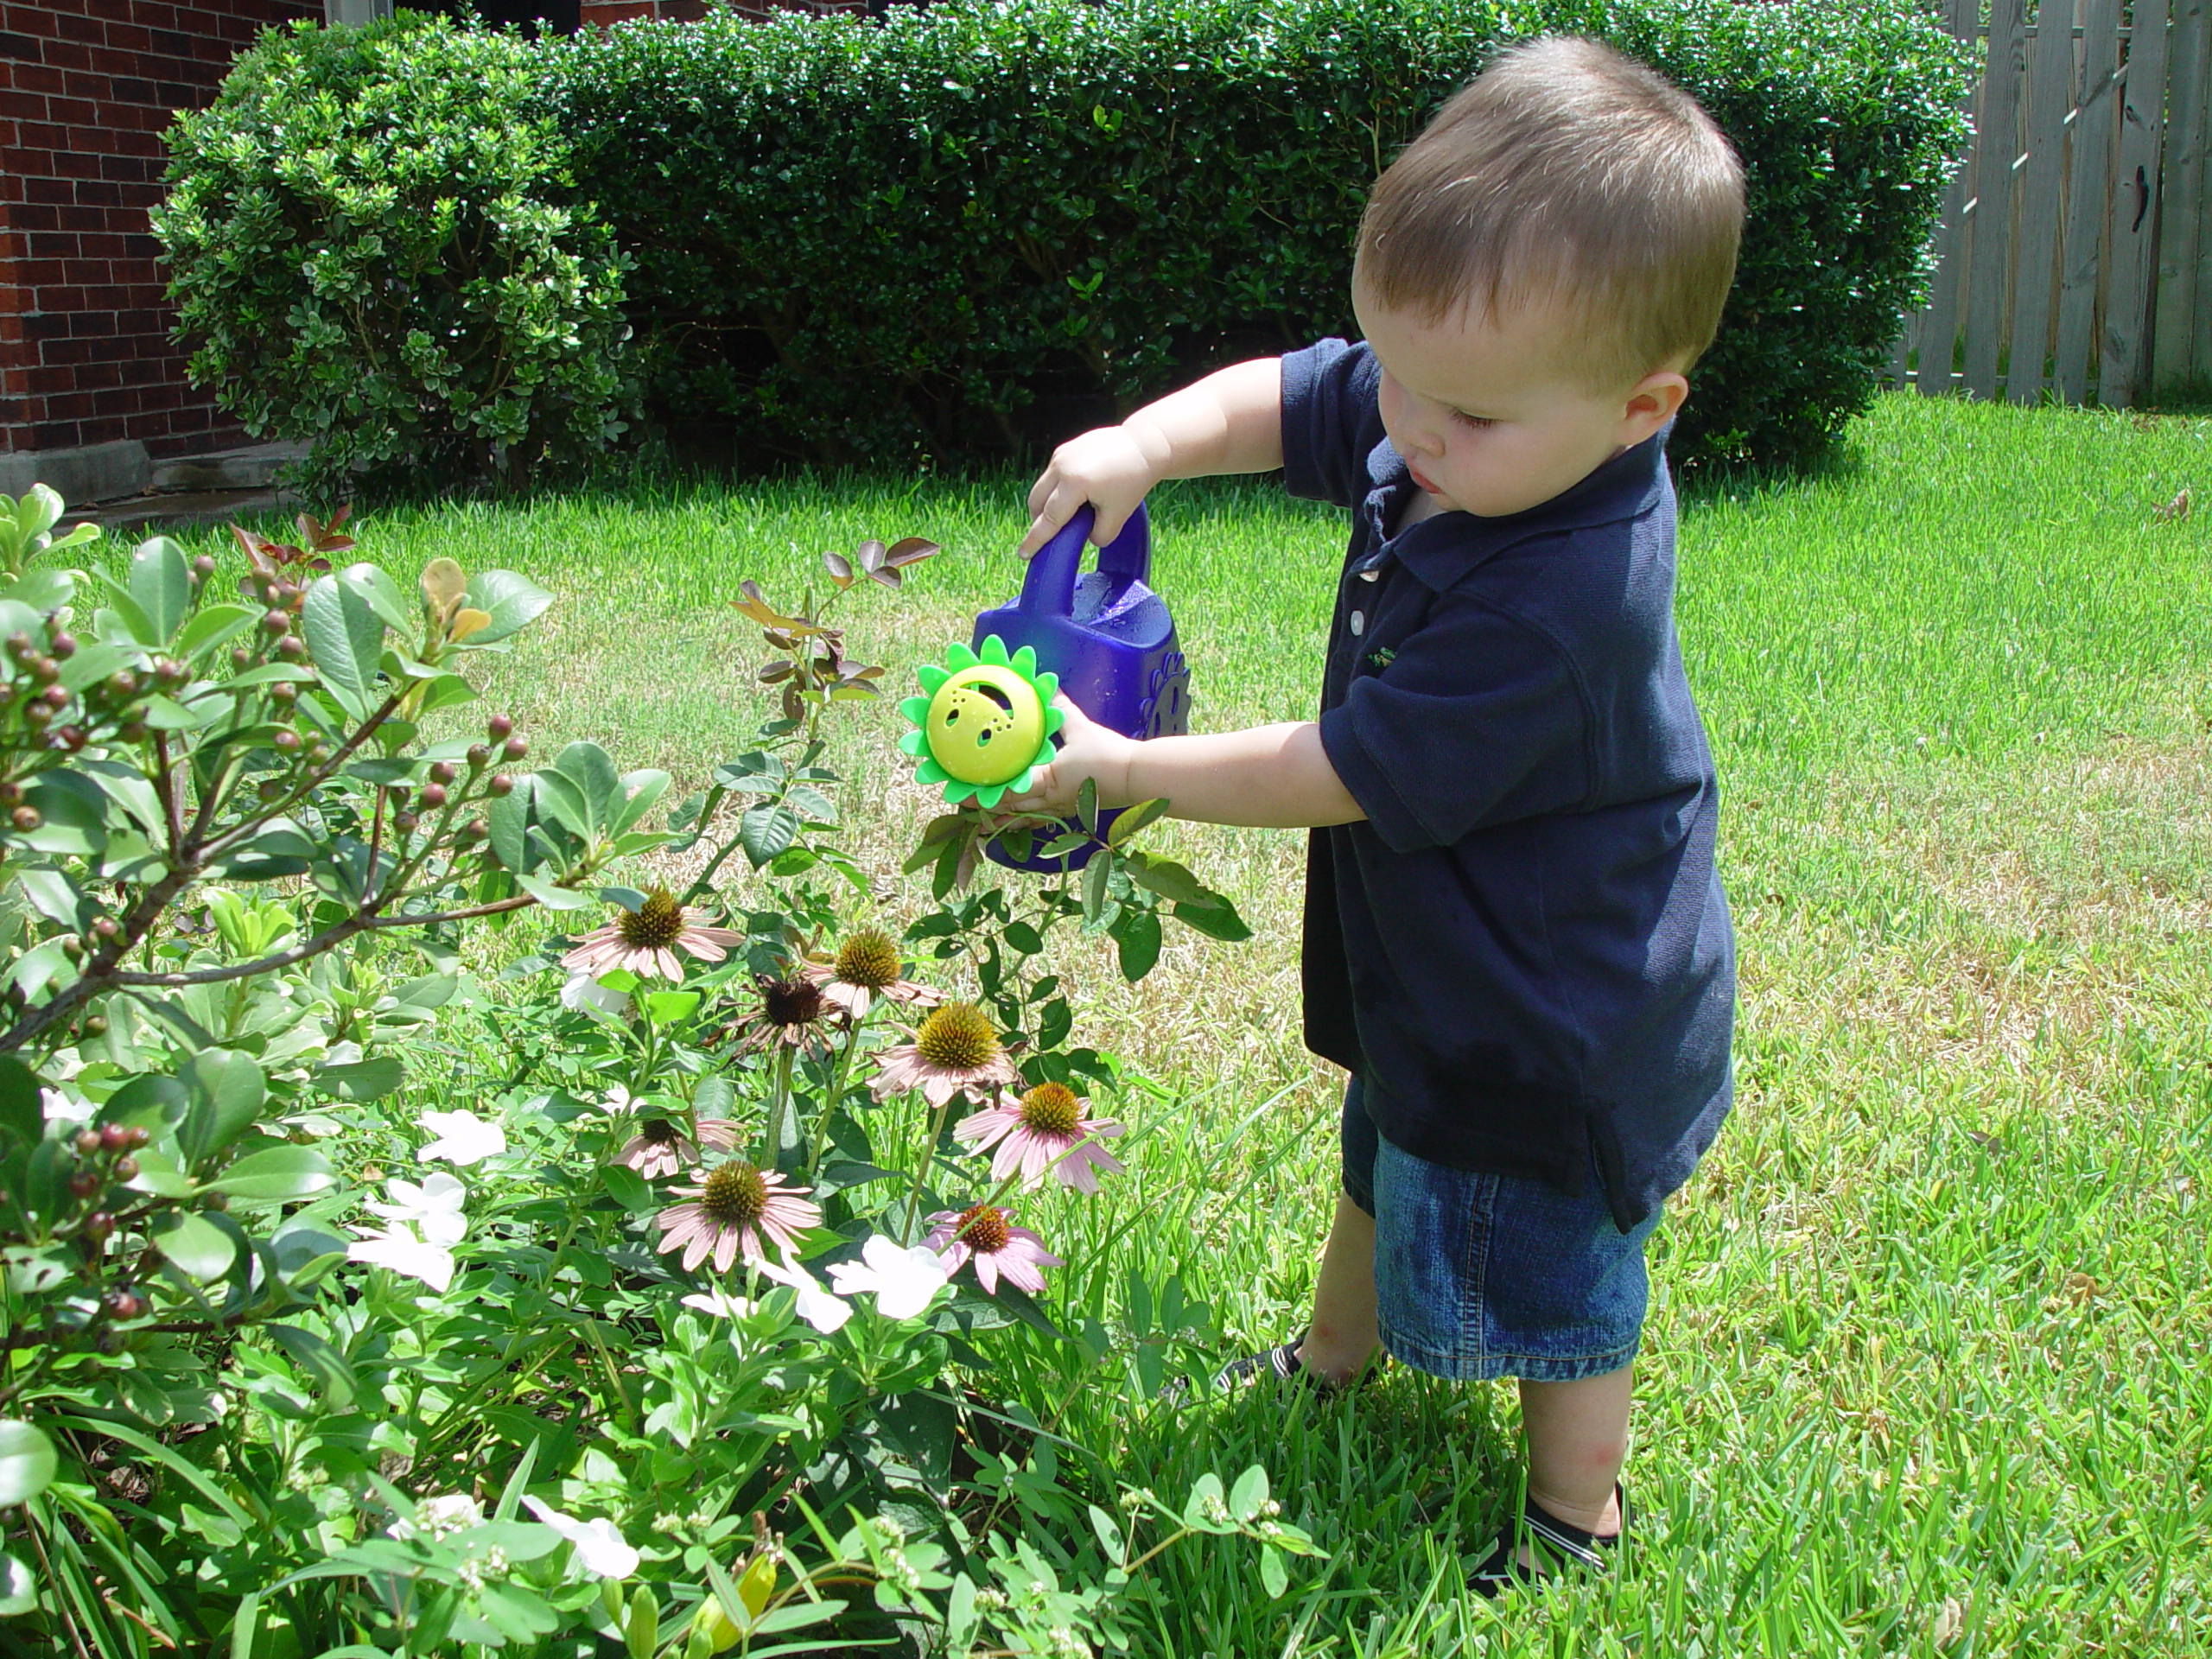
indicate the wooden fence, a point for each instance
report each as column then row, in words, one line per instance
column 2075, row 258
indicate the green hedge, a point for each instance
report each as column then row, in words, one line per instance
column 969, row 229
column 375, row 243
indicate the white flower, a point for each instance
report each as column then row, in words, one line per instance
column 815, row 1305
column 585, row 994
column 433, row 1209
column 720, row 1303
column 903, row 1282
column 462, row 1138
column 398, row 1249
column 436, row 1517
column 601, row 1550
column 56, row 1107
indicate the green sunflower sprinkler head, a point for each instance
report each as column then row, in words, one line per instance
column 984, row 722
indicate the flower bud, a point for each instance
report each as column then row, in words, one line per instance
column 169, row 671
column 73, row 947
column 126, row 1169
column 499, row 727
column 276, row 622
column 442, row 772
column 62, row 646
column 45, row 669
column 405, row 823
column 292, row 647
column 37, row 714
column 87, row 1143
column 96, row 1026
column 20, row 647
column 83, row 1183
column 241, row 656
column 203, row 566
column 26, row 818
column 215, row 1201
column 113, row 1136
column 479, row 756
column 500, row 785
column 514, row 748
column 284, row 692
column 11, row 792
column 71, row 738
column 269, row 789
column 131, row 731
column 134, row 1137
column 475, row 830
column 288, row 742
column 99, row 1226
column 434, row 797
column 57, row 697
column 122, row 682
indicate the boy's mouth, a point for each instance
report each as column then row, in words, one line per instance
column 1420, row 481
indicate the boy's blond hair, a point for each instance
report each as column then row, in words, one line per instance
column 1565, row 179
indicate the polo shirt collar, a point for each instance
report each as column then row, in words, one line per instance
column 1440, row 550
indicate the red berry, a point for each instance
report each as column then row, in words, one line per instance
column 83, row 1183
column 514, row 748
column 126, row 1169
column 134, row 1137
column 405, row 823
column 434, row 797
column 276, row 622
column 113, row 1136
column 63, row 645
column 442, row 772
column 99, row 1226
column 479, row 756
column 288, row 742
column 57, row 697
column 87, row 1143
column 500, row 785
column 499, row 726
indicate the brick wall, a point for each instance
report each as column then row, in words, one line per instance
column 85, row 88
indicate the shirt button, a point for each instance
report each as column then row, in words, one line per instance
column 1358, row 623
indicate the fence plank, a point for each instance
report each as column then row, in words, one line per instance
column 1939, row 323
column 2034, row 254
column 2088, row 201
column 2125, row 344
column 1991, row 210
column 2181, row 197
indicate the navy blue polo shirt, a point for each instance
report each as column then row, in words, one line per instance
column 1524, row 949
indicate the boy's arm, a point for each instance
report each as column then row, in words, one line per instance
column 1230, row 421
column 1274, row 776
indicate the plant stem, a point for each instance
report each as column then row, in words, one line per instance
column 922, row 1170
column 838, row 1082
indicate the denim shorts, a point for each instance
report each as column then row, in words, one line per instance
column 1480, row 1276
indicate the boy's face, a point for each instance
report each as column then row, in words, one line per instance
column 1488, row 413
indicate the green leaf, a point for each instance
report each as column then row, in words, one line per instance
column 22, row 1114
column 161, row 584
column 1086, row 804
column 26, row 1462
column 1096, row 874
column 629, row 1188
column 588, row 767
column 511, row 602
column 276, row 1175
column 195, row 1244
column 1137, row 935
column 224, row 1092
column 18, row 1590
column 765, row 830
column 1275, row 1577
column 551, row 897
column 508, row 819
column 810, row 803
column 1168, row 879
column 370, row 1080
column 638, row 793
column 670, row 1007
column 345, row 637
column 213, row 626
column 381, row 594
column 1219, row 921
column 1249, row 1492
column 321, row 1361
column 1131, row 819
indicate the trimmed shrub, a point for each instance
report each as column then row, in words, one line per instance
column 375, row 243
column 975, row 227
column 962, row 232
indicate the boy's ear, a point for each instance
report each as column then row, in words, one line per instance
column 1652, row 401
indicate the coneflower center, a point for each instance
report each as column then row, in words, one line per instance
column 869, row 959
column 958, row 1038
column 658, row 1132
column 654, row 926
column 790, row 1001
column 983, row 1228
column 1051, row 1108
column 735, row 1195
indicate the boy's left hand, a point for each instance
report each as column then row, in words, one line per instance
column 1087, row 750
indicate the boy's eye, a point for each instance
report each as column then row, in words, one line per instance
column 1476, row 422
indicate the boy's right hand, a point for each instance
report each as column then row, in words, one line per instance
column 1109, row 467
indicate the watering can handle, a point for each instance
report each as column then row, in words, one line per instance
column 1048, row 589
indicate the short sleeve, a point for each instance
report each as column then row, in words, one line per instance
column 1330, row 421
column 1478, row 719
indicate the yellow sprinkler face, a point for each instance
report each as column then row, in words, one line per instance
column 984, row 723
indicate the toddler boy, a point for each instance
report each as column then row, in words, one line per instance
column 1516, row 942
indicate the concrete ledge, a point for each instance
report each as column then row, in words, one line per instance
column 99, row 472
column 252, row 467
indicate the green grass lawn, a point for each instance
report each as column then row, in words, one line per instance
column 1927, row 1367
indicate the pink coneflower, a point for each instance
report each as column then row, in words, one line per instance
column 986, row 1234
column 660, row 1148
column 955, row 1052
column 1033, row 1132
column 644, row 940
column 791, row 1013
column 737, row 1207
column 866, row 968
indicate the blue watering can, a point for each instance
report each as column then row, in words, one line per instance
column 1106, row 635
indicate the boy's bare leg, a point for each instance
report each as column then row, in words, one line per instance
column 1342, row 1338
column 1578, row 1437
